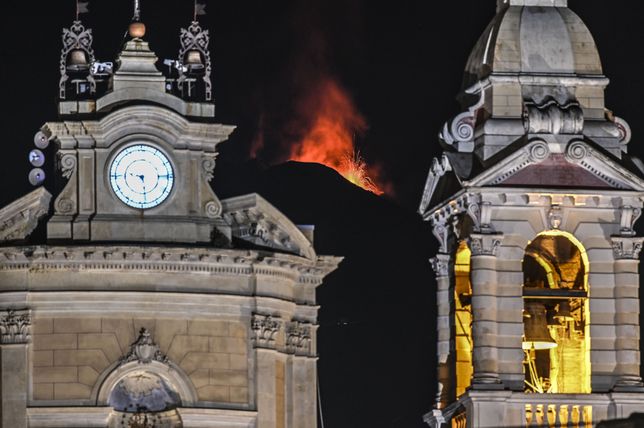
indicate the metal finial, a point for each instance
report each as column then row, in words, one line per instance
column 137, row 11
column 137, row 28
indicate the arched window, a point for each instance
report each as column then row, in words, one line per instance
column 463, row 318
column 556, row 316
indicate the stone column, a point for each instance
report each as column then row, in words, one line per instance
column 627, row 371
column 442, row 265
column 484, row 304
column 14, row 337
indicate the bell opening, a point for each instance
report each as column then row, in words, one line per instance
column 556, row 339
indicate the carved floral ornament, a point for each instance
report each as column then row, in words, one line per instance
column 15, row 327
column 76, row 37
column 299, row 338
column 265, row 328
column 196, row 38
column 298, row 335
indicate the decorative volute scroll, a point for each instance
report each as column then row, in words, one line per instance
column 629, row 217
column 76, row 38
column 299, row 338
column 265, row 328
column 144, row 350
column 15, row 327
column 195, row 38
column 625, row 248
column 20, row 218
column 459, row 131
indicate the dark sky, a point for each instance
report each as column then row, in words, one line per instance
column 402, row 63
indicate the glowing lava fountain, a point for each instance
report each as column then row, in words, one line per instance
column 330, row 138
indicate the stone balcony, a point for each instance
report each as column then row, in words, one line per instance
column 489, row 409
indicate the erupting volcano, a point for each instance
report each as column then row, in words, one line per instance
column 329, row 140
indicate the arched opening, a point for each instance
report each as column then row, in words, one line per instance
column 556, row 316
column 463, row 318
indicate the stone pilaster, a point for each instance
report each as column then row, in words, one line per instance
column 267, row 334
column 626, row 251
column 14, row 337
column 484, row 306
column 442, row 265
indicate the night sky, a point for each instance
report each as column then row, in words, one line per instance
column 401, row 62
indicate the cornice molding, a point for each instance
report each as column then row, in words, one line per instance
column 163, row 259
column 20, row 218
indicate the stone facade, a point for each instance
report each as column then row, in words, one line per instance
column 190, row 312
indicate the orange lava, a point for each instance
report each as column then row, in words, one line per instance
column 330, row 138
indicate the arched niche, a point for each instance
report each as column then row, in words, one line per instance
column 556, row 313
column 169, row 372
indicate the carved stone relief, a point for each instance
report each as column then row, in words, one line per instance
column 485, row 244
column 15, row 327
column 144, row 350
column 265, row 328
column 440, row 264
column 299, row 338
column 627, row 248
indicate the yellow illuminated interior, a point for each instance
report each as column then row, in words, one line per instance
column 556, row 315
column 463, row 318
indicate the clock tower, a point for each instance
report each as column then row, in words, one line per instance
column 139, row 157
column 151, row 302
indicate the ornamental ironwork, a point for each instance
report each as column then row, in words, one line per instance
column 77, row 37
column 195, row 38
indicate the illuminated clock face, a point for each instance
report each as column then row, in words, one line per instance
column 141, row 176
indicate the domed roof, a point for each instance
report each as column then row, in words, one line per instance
column 534, row 40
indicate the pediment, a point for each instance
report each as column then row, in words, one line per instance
column 253, row 219
column 20, row 218
column 442, row 181
column 581, row 165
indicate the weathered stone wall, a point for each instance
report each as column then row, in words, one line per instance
column 70, row 354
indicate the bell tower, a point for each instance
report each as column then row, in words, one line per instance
column 534, row 202
column 150, row 301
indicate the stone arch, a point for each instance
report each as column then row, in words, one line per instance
column 556, row 338
column 170, row 373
